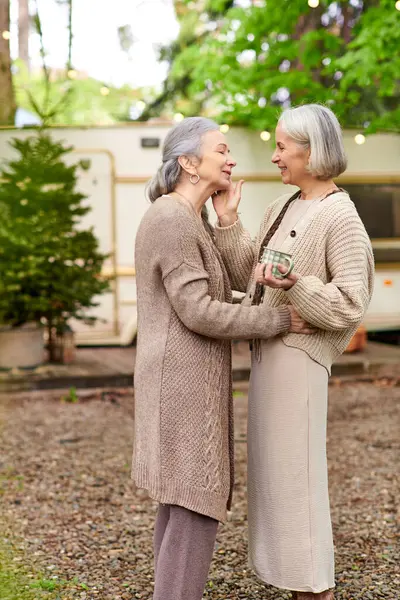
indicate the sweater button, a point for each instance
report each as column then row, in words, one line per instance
column 293, row 233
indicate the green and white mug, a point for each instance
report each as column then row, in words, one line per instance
column 275, row 258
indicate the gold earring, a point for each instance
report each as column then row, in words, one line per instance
column 197, row 180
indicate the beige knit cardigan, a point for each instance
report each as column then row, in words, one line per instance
column 183, row 451
column 332, row 253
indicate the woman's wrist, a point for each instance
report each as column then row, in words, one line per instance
column 228, row 219
column 292, row 279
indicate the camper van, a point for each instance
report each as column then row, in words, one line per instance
column 124, row 157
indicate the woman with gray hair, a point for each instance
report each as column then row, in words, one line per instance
column 290, row 535
column 183, row 453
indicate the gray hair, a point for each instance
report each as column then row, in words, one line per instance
column 184, row 139
column 315, row 127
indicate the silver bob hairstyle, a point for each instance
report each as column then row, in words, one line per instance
column 315, row 127
column 184, row 139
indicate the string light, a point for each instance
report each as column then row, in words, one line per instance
column 72, row 74
column 140, row 105
column 224, row 128
column 397, row 5
column 359, row 139
column 6, row 35
column 265, row 136
column 313, row 3
column 104, row 91
column 178, row 117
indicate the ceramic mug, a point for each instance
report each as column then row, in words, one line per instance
column 276, row 258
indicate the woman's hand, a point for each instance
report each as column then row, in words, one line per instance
column 226, row 203
column 263, row 275
column 298, row 324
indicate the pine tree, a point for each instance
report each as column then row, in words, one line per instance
column 50, row 268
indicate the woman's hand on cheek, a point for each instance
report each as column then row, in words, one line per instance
column 226, row 203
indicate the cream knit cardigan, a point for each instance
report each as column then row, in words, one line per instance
column 184, row 435
column 332, row 253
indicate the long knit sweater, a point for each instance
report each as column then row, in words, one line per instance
column 333, row 255
column 183, row 451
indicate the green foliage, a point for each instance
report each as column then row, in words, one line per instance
column 16, row 582
column 177, row 93
column 71, row 397
column 64, row 96
column 19, row 582
column 371, row 68
column 84, row 586
column 7, row 96
column 72, row 101
column 45, row 584
column 50, row 268
column 244, row 61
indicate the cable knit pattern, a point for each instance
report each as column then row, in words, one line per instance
column 183, row 395
column 333, row 255
column 215, row 424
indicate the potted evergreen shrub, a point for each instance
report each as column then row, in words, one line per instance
column 50, row 267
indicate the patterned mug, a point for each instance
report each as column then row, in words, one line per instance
column 276, row 258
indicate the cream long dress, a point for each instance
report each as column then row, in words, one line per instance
column 290, row 533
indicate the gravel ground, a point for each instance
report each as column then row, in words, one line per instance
column 70, row 510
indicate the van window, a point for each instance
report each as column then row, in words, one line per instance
column 378, row 205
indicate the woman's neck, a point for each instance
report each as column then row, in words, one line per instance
column 194, row 195
column 314, row 189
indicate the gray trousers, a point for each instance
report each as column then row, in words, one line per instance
column 183, row 547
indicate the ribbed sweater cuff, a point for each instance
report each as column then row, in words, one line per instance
column 226, row 237
column 299, row 292
column 283, row 319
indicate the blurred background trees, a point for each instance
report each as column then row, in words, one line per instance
column 61, row 95
column 242, row 60
column 239, row 61
column 7, row 98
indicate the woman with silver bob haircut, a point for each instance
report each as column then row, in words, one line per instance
column 316, row 129
column 183, row 453
column 290, row 534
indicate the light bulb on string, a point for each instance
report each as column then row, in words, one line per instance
column 313, row 3
column 360, row 139
column 224, row 128
column 397, row 5
column 6, row 35
column 265, row 136
column 178, row 117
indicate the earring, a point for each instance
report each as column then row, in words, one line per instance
column 197, row 180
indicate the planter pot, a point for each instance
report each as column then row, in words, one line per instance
column 359, row 340
column 21, row 347
column 64, row 348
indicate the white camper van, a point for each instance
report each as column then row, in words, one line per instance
column 123, row 158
